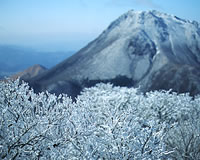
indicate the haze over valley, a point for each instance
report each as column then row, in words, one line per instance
column 16, row 58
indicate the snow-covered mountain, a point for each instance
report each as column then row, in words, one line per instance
column 149, row 49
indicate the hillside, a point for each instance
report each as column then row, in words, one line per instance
column 149, row 49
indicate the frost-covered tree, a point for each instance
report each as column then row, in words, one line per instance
column 105, row 122
column 184, row 139
column 116, row 124
column 30, row 123
column 182, row 113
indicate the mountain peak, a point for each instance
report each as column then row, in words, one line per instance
column 133, row 20
column 148, row 19
column 133, row 12
column 136, row 49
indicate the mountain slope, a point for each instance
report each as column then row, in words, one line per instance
column 30, row 72
column 139, row 48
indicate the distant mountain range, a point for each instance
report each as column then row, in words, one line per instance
column 149, row 49
column 14, row 59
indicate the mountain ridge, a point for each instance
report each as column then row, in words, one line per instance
column 30, row 72
column 136, row 46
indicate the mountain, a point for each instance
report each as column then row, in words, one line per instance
column 14, row 59
column 149, row 49
column 29, row 73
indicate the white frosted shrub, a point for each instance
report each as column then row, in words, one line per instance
column 104, row 122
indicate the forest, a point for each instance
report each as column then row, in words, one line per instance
column 104, row 122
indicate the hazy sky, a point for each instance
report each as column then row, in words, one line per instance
column 71, row 24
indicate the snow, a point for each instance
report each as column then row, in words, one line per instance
column 166, row 31
column 105, row 122
column 136, row 45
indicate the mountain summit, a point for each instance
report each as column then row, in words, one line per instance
column 149, row 49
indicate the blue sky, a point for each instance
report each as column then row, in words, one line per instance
column 71, row 24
